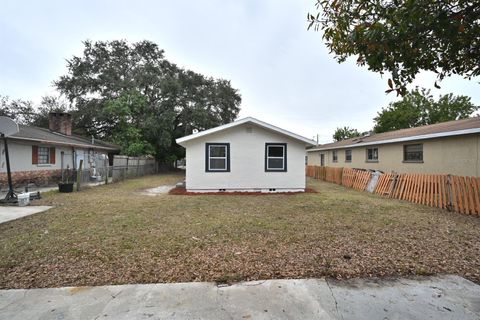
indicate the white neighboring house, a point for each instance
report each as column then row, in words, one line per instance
column 38, row 155
column 246, row 155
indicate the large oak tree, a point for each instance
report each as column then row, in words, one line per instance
column 132, row 95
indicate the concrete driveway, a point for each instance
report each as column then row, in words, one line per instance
column 445, row 297
column 8, row 213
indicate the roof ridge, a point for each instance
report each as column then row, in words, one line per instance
column 35, row 133
column 440, row 129
column 241, row 121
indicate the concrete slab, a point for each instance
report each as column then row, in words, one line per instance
column 442, row 297
column 158, row 190
column 447, row 297
column 8, row 213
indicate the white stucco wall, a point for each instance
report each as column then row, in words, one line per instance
column 247, row 162
column 21, row 157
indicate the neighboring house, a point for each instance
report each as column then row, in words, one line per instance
column 37, row 155
column 451, row 147
column 245, row 155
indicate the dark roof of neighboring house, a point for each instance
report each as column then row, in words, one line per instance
column 443, row 129
column 42, row 135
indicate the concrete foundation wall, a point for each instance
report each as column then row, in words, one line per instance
column 451, row 155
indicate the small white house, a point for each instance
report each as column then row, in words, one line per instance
column 247, row 155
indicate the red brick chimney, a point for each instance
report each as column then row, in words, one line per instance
column 60, row 122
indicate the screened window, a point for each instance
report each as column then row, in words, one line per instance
column 217, row 157
column 43, row 155
column 348, row 155
column 413, row 153
column 276, row 157
column 334, row 156
column 372, row 154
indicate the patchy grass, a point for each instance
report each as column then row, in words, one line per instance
column 113, row 235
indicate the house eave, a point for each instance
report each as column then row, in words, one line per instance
column 265, row 125
column 79, row 145
column 403, row 139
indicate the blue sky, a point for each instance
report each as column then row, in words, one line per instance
column 284, row 72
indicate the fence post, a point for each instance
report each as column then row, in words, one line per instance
column 138, row 165
column 392, row 185
column 126, row 170
column 449, row 192
column 79, row 174
column 105, row 162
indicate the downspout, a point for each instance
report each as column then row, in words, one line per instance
column 74, row 159
column 62, row 155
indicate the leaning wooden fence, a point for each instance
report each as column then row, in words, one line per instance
column 455, row 193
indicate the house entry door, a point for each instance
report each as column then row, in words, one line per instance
column 322, row 159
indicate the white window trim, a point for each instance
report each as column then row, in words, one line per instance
column 213, row 158
column 282, row 157
column 48, row 156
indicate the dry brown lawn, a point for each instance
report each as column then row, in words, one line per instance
column 114, row 235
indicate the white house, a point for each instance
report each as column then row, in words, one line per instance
column 38, row 155
column 247, row 155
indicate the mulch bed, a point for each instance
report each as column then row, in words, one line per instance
column 183, row 192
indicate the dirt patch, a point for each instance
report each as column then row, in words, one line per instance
column 76, row 290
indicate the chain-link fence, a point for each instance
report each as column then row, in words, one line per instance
column 123, row 168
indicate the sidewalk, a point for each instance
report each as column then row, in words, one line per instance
column 444, row 297
column 8, row 213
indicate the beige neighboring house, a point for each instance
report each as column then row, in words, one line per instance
column 451, row 147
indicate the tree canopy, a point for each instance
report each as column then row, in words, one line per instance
column 345, row 133
column 418, row 107
column 26, row 112
column 132, row 95
column 403, row 37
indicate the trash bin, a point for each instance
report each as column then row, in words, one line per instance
column 23, row 199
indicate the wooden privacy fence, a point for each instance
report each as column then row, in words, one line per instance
column 459, row 194
column 356, row 179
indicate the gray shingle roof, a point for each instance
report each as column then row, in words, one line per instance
column 443, row 128
column 43, row 135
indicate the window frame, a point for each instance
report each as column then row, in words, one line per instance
column 351, row 156
column 366, row 155
column 334, row 155
column 405, row 146
column 284, row 157
column 48, row 161
column 208, row 158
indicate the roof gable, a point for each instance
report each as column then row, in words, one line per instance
column 257, row 122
